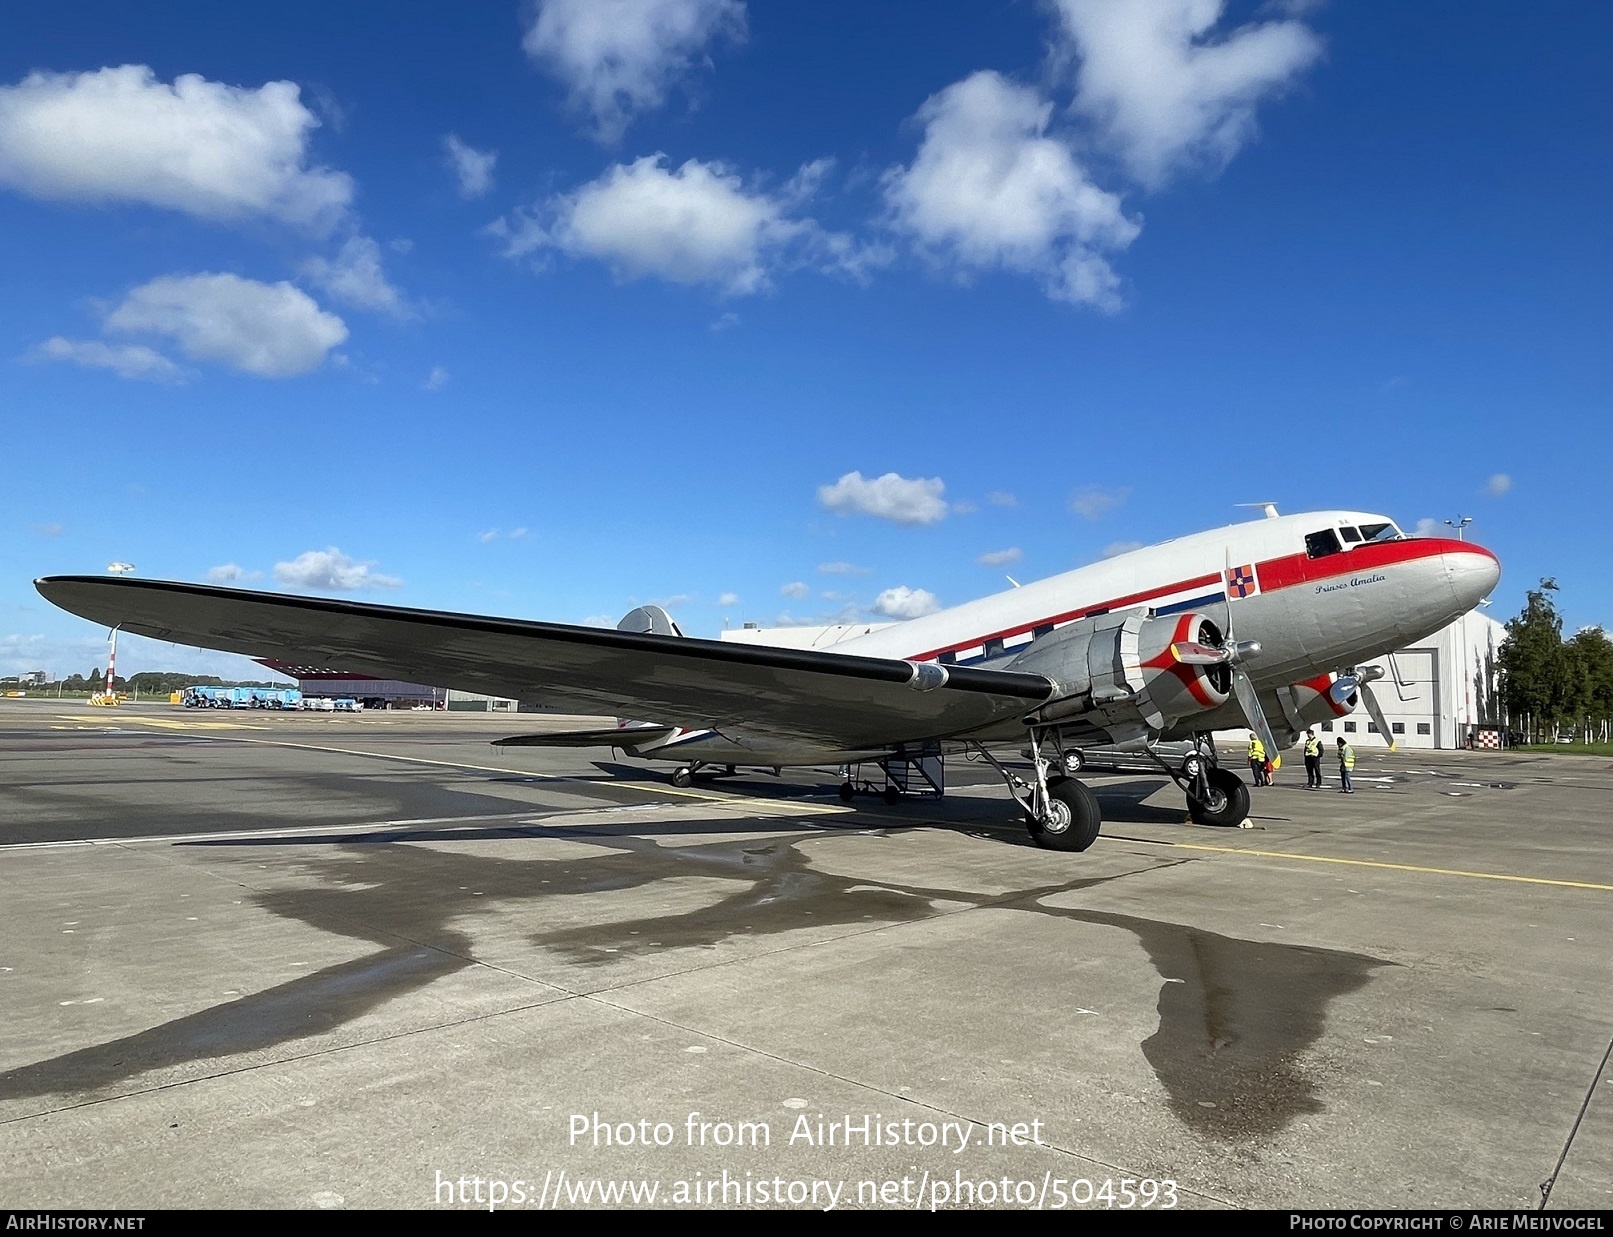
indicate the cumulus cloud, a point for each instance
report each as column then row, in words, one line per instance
column 1166, row 89
column 355, row 277
column 797, row 590
column 231, row 573
column 1001, row 558
column 1498, row 485
column 472, row 168
column 217, row 152
column 331, row 571
column 990, row 189
column 843, row 569
column 889, row 497
column 728, row 599
column 271, row 330
column 696, row 224
column 902, row 602
column 1428, row 527
column 125, row 360
column 621, row 57
column 1002, row 498
column 1090, row 502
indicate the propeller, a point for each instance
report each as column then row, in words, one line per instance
column 1359, row 679
column 1235, row 652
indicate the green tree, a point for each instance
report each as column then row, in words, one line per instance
column 1533, row 665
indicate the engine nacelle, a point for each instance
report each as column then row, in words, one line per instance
column 1129, row 674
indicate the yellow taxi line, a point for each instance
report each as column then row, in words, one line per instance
column 1393, row 867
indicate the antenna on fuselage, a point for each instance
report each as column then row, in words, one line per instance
column 1269, row 508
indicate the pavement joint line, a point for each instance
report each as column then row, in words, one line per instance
column 1373, row 863
column 460, row 764
column 860, row 1085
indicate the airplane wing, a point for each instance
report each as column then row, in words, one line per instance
column 749, row 692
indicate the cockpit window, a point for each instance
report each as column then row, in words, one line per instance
column 1380, row 532
column 1350, row 534
column 1320, row 545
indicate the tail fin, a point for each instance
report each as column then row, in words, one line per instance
column 649, row 621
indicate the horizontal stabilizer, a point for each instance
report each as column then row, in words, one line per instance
column 605, row 736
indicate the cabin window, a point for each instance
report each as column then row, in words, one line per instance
column 949, row 658
column 993, row 648
column 1042, row 630
column 1320, row 545
column 1352, row 535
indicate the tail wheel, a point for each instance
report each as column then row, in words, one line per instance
column 1073, row 820
column 1227, row 803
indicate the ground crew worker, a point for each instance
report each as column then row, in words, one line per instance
column 1257, row 760
column 1313, row 761
column 1346, row 763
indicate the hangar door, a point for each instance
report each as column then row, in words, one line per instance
column 1410, row 705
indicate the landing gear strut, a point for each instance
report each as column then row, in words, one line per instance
column 1061, row 812
column 1215, row 796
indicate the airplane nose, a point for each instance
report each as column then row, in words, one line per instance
column 1473, row 573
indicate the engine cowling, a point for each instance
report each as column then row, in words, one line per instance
column 1130, row 674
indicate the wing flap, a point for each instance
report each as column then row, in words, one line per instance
column 835, row 700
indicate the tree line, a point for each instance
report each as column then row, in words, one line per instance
column 1550, row 686
column 146, row 683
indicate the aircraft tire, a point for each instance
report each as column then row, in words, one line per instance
column 1085, row 818
column 683, row 776
column 847, row 792
column 892, row 795
column 1228, row 805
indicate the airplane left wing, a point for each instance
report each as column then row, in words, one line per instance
column 788, row 696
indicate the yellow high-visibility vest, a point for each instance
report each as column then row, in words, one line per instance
column 1313, row 747
column 1347, row 756
column 1257, row 750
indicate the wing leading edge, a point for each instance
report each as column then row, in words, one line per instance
column 748, row 692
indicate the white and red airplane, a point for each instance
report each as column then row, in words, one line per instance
column 1259, row 624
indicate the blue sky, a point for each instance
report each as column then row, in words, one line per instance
column 785, row 313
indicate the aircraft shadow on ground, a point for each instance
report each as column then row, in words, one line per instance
column 1235, row 1016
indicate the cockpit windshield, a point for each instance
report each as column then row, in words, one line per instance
column 1381, row 532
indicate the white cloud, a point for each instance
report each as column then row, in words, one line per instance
column 1120, row 547
column 355, row 278
column 214, row 151
column 989, row 189
column 22, row 653
column 620, row 57
column 890, row 497
column 1001, row 558
column 231, row 573
column 1166, row 89
column 126, row 360
column 48, row 530
column 728, row 599
column 1090, row 502
column 796, row 590
column 271, row 330
column 331, row 571
column 1428, row 527
column 1001, row 498
column 843, row 569
column 1498, row 485
column 472, row 168
column 902, row 602
column 437, row 379
column 487, row 537
column 697, row 224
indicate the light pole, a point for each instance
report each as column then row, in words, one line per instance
column 1459, row 523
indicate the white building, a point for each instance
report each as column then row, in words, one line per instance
column 1435, row 692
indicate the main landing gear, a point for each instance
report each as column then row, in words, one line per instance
column 1215, row 796
column 1061, row 811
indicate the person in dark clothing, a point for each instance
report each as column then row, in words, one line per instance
column 1313, row 761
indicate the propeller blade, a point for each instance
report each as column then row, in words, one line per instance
column 1375, row 711
column 1343, row 688
column 1249, row 701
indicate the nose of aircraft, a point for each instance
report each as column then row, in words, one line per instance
column 1472, row 571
